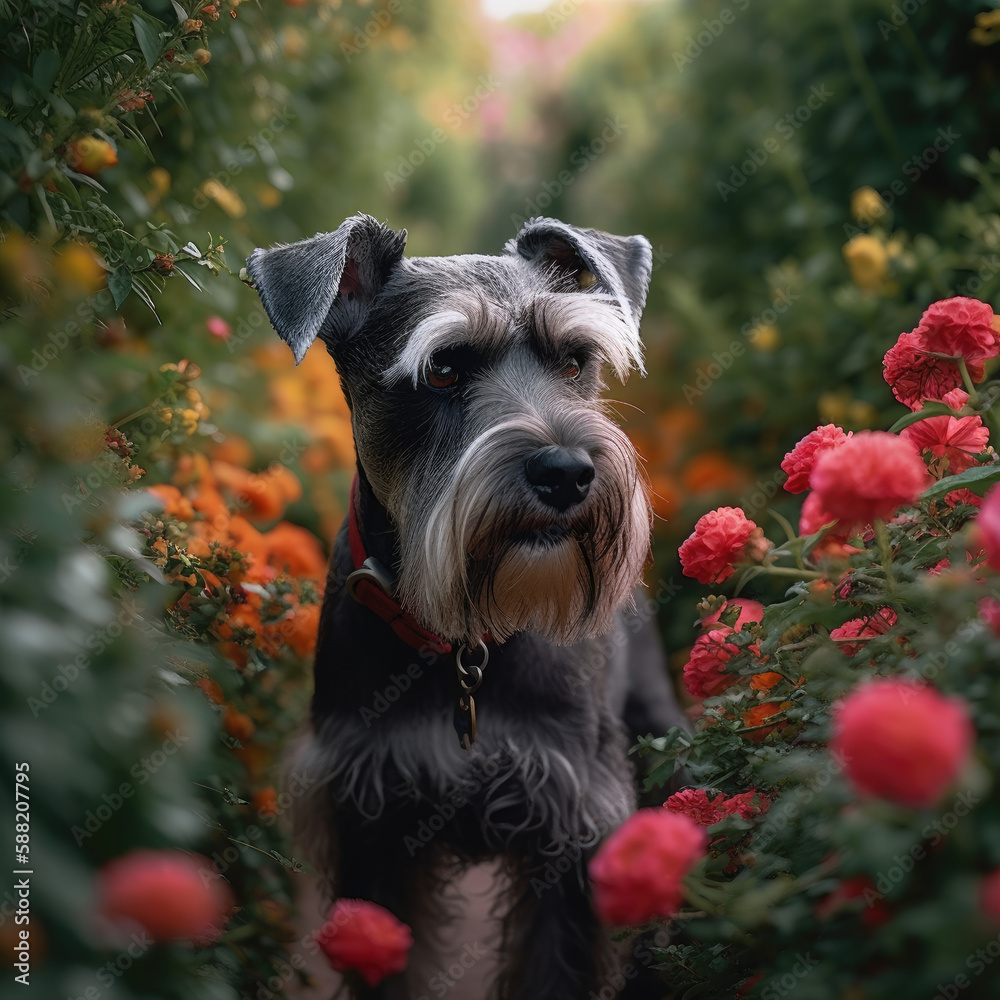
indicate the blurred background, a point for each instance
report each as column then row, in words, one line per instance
column 810, row 177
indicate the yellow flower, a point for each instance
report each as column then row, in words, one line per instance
column 765, row 337
column 868, row 261
column 227, row 199
column 189, row 420
column 78, row 269
column 988, row 19
column 867, row 205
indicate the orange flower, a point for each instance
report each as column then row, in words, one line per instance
column 265, row 801
column 712, row 472
column 764, row 681
column 302, row 628
column 238, row 724
column 758, row 715
column 211, row 688
column 90, row 155
column 175, row 504
column 295, row 551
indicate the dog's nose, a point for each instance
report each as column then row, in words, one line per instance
column 560, row 477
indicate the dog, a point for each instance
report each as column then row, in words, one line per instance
column 480, row 667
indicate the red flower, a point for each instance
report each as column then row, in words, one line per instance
column 988, row 526
column 959, row 439
column 844, row 899
column 989, row 895
column 955, row 497
column 915, row 376
column 638, row 872
column 704, row 674
column 720, row 538
column 812, row 517
column 172, row 895
column 864, row 628
column 959, row 326
column 901, row 740
column 695, row 803
column 748, row 611
column 799, row 462
column 363, row 937
column 868, row 477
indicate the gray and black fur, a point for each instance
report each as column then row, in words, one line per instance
column 503, row 500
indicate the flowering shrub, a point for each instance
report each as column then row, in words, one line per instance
column 846, row 738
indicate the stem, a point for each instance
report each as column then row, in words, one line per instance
column 967, row 382
column 799, row 574
column 882, row 534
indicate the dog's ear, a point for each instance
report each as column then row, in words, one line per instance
column 620, row 266
column 325, row 285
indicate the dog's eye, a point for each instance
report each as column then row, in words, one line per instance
column 570, row 368
column 441, row 375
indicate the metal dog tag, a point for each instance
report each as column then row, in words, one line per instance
column 465, row 721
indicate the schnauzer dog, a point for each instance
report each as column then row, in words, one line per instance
column 481, row 663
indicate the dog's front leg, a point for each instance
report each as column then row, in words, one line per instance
column 551, row 933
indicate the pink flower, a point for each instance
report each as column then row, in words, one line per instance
column 638, row 873
column 868, row 477
column 864, row 628
column 799, row 462
column 959, row 326
column 218, row 327
column 704, row 672
column 363, row 937
column 989, row 613
column 720, row 539
column 172, row 895
column 915, row 376
column 959, row 439
column 695, row 803
column 901, row 740
column 988, row 526
column 834, row 543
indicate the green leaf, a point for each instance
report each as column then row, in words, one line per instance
column 120, row 284
column 148, row 39
column 46, row 67
column 182, row 14
column 978, row 479
column 927, row 410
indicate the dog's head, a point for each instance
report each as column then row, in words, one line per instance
column 474, row 386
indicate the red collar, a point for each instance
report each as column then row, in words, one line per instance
column 371, row 585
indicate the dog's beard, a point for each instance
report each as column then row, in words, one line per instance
column 489, row 558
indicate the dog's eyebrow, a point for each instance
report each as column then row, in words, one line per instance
column 473, row 321
column 591, row 320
